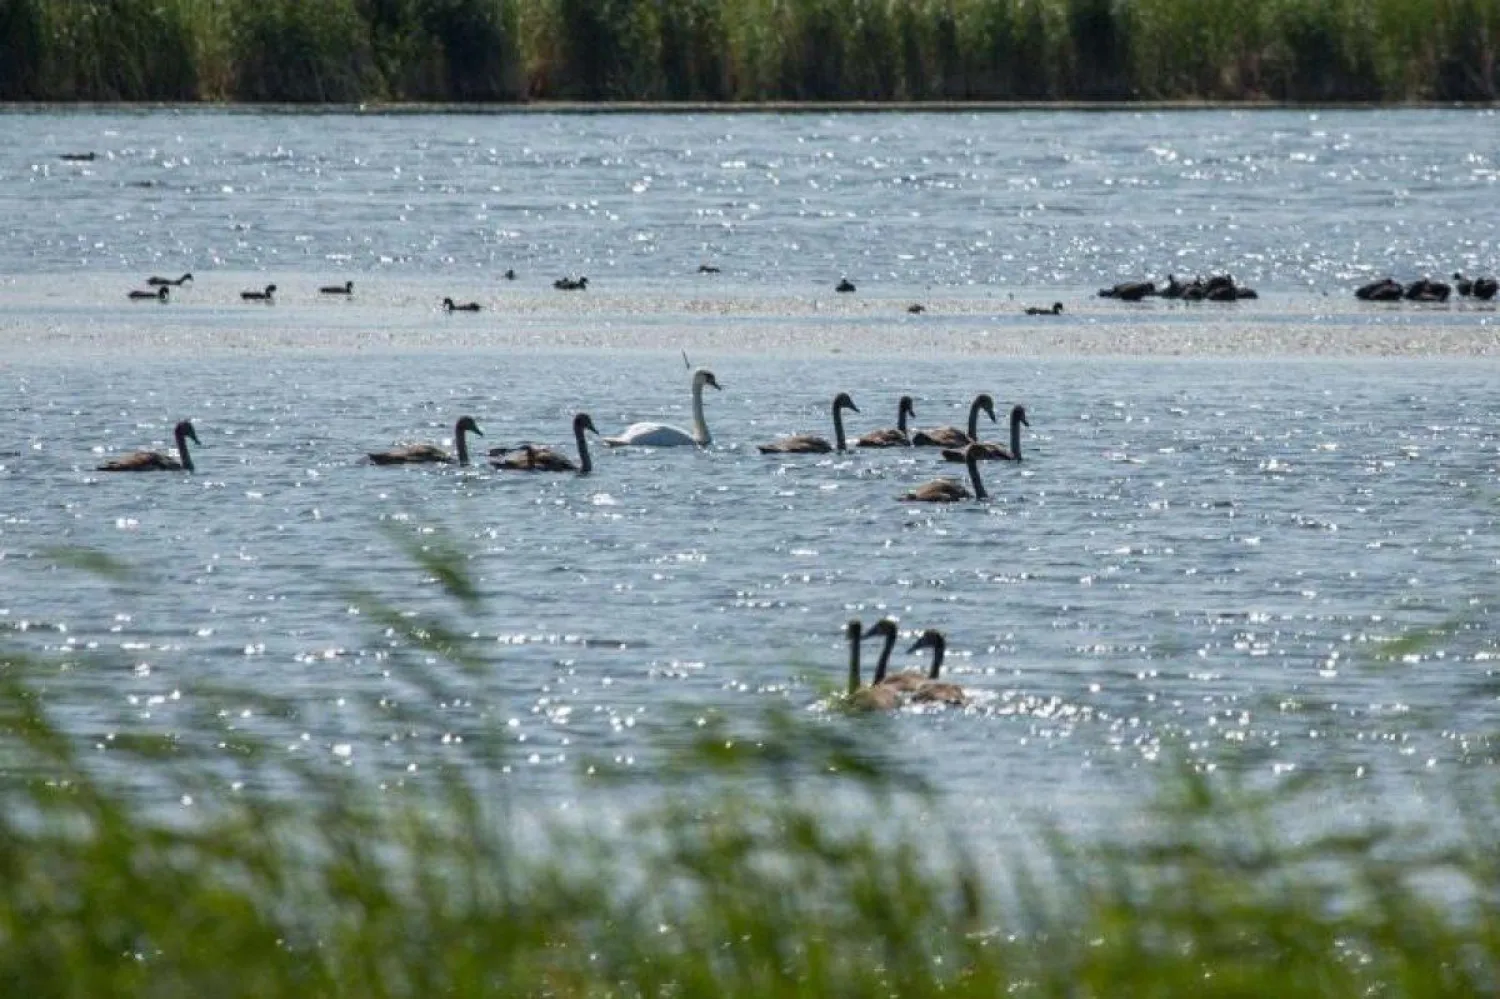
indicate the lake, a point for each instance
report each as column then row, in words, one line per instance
column 1199, row 555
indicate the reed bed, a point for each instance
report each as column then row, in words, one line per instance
column 749, row 50
column 783, row 855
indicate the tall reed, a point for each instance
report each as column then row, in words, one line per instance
column 750, row 50
column 777, row 855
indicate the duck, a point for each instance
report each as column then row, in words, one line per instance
column 905, row 681
column 844, row 287
column 1427, row 290
column 934, row 690
column 947, row 490
column 571, row 284
column 1481, row 288
column 529, row 458
column 1056, row 310
column 161, row 282
column 260, row 296
column 877, row 697
column 347, row 288
column 1384, row 290
column 159, row 295
column 155, row 461
column 889, row 437
column 810, row 443
column 952, row 436
column 510, row 274
column 451, row 306
column 916, row 308
column 1129, row 291
column 989, row 451
column 709, row 269
column 430, row 454
column 665, row 435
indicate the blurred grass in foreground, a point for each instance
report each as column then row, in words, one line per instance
column 749, row 50
column 733, row 875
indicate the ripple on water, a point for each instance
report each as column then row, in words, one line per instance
column 1233, row 593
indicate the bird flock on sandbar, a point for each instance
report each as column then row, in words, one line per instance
column 159, row 289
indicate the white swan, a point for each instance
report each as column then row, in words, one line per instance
column 663, row 435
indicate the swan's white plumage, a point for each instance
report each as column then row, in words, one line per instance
column 653, row 435
column 665, row 435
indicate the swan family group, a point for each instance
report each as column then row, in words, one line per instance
column 955, row 444
column 886, row 691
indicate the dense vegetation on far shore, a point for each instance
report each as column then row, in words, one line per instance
column 748, row 50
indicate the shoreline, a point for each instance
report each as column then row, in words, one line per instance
column 92, row 341
column 730, row 107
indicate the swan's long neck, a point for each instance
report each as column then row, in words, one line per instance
column 885, row 656
column 938, row 647
column 901, row 420
column 1015, row 437
column 585, row 463
column 974, row 421
column 853, row 659
column 700, row 425
column 182, row 452
column 460, row 436
column 979, row 492
column 838, row 428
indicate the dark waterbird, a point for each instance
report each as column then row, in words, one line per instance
column 1129, row 291
column 347, row 288
column 159, row 295
column 571, row 284
column 155, row 461
column 892, row 437
column 428, row 454
column 1483, row 288
column 530, row 458
column 844, row 286
column 1427, row 290
column 947, row 490
column 162, row 282
column 1056, row 310
column 877, row 697
column 708, row 269
column 1384, row 290
column 260, row 296
column 933, row 689
column 906, row 680
column 989, row 451
column 450, row 306
column 952, row 436
column 810, row 443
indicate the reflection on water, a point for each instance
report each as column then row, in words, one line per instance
column 1286, row 200
column 1191, row 550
